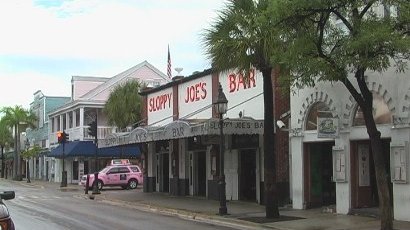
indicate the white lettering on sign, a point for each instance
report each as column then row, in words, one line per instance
column 178, row 132
column 238, row 81
column 195, row 92
column 160, row 102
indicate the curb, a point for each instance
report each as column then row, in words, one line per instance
column 67, row 189
column 183, row 214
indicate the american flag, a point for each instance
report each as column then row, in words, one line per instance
column 169, row 72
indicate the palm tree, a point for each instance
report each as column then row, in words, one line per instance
column 29, row 153
column 6, row 139
column 123, row 107
column 242, row 38
column 18, row 119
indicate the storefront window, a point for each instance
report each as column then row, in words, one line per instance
column 318, row 109
column 381, row 112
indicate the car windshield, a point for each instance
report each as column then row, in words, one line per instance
column 104, row 170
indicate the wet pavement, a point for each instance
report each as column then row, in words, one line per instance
column 241, row 215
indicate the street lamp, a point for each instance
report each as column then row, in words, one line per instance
column 221, row 106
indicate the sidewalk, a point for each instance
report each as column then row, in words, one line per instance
column 242, row 215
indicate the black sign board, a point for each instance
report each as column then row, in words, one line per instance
column 245, row 141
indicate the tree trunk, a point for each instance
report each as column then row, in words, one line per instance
column 19, row 176
column 15, row 154
column 386, row 212
column 271, row 197
column 2, row 162
column 379, row 160
column 28, row 171
column 365, row 101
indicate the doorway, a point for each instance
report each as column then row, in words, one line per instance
column 75, row 171
column 320, row 188
column 47, row 169
column 364, row 185
column 86, row 168
column 247, row 175
column 162, row 172
column 197, row 173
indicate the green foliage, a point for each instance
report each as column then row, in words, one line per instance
column 241, row 37
column 18, row 117
column 6, row 138
column 323, row 40
column 33, row 152
column 326, row 40
column 123, row 107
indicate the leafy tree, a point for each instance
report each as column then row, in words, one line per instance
column 18, row 119
column 29, row 153
column 123, row 107
column 242, row 38
column 6, row 139
column 340, row 41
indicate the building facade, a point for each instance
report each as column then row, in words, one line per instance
column 182, row 137
column 88, row 98
column 41, row 167
column 331, row 159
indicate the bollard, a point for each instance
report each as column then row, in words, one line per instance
column 86, row 184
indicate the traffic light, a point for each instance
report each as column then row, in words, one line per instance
column 66, row 136
column 92, row 130
column 60, row 137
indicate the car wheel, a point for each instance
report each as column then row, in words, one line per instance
column 100, row 184
column 132, row 184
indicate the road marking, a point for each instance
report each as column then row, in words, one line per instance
column 33, row 197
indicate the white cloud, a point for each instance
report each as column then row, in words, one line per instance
column 121, row 33
column 98, row 29
column 18, row 88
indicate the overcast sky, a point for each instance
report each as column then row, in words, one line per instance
column 43, row 43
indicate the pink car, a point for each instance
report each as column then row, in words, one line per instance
column 117, row 174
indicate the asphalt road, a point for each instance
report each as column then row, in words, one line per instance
column 41, row 208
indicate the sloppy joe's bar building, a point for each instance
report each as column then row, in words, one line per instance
column 181, row 137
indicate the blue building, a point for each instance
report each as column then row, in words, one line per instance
column 42, row 167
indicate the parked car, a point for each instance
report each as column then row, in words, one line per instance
column 6, row 223
column 118, row 173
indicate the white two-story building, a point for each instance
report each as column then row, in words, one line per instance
column 88, row 98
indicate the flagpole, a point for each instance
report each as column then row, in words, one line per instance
column 169, row 70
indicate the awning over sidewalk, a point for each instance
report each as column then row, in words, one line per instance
column 122, row 151
column 87, row 149
column 74, row 149
column 186, row 128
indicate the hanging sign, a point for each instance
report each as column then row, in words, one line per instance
column 327, row 127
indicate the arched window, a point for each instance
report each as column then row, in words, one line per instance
column 381, row 112
column 318, row 109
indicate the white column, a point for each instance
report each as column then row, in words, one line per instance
column 43, row 171
column 297, row 172
column 343, row 191
column 81, row 125
column 151, row 160
column 231, row 171
column 61, row 122
column 401, row 201
column 67, row 120
column 74, row 119
column 183, row 173
column 58, row 169
column 32, row 166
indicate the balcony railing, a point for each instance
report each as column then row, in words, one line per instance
column 81, row 133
